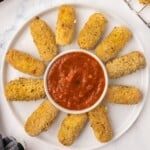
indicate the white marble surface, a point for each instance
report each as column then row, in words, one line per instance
column 13, row 13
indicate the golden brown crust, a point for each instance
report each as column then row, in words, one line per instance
column 144, row 1
column 44, row 39
column 25, row 63
column 113, row 43
column 121, row 94
column 24, row 89
column 65, row 25
column 100, row 123
column 92, row 31
column 126, row 64
column 70, row 128
column 41, row 119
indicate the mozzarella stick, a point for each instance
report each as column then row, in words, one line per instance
column 144, row 1
column 113, row 43
column 71, row 127
column 44, row 39
column 121, row 94
column 100, row 123
column 41, row 119
column 92, row 31
column 25, row 63
column 65, row 27
column 126, row 64
column 24, row 89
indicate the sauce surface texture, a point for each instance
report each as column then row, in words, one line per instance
column 75, row 81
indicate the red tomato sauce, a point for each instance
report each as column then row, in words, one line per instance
column 75, row 81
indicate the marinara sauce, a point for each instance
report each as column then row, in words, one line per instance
column 75, row 81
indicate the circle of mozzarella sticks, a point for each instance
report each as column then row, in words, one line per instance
column 113, row 43
column 100, row 123
column 92, row 31
column 126, row 64
column 65, row 27
column 24, row 89
column 25, row 63
column 41, row 119
column 71, row 127
column 144, row 1
column 121, row 94
column 44, row 39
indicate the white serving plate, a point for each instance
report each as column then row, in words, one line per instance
column 121, row 116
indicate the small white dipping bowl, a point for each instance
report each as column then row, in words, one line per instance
column 61, row 108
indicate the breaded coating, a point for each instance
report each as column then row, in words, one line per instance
column 126, row 64
column 92, row 31
column 25, row 63
column 113, row 43
column 121, row 94
column 41, row 119
column 24, row 89
column 65, row 27
column 100, row 123
column 71, row 127
column 144, row 1
column 44, row 39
